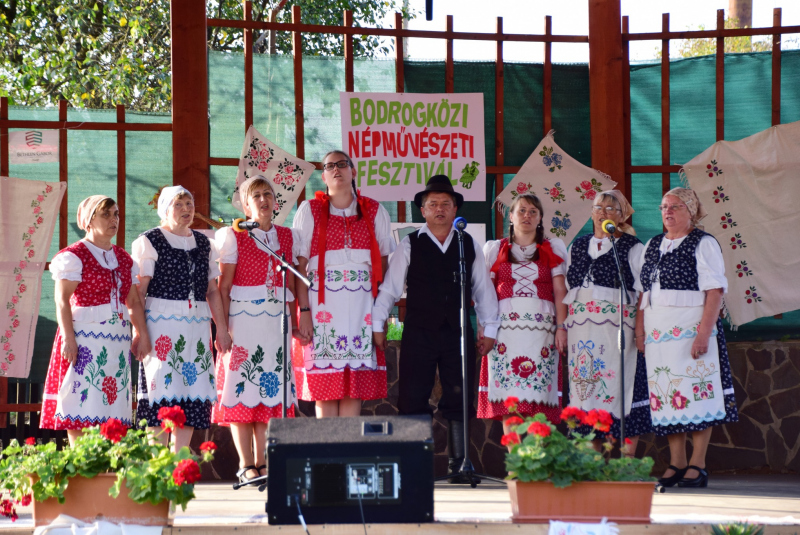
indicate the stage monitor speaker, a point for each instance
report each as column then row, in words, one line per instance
column 329, row 469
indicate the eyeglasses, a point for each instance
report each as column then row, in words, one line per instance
column 607, row 209
column 436, row 205
column 671, row 207
column 330, row 166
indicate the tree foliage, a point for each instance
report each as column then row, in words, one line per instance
column 690, row 48
column 99, row 53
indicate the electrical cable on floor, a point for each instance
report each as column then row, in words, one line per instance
column 360, row 505
column 300, row 513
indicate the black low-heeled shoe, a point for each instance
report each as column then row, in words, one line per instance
column 242, row 474
column 699, row 482
column 260, row 468
column 674, row 478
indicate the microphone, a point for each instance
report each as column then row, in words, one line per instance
column 241, row 225
column 608, row 226
column 460, row 223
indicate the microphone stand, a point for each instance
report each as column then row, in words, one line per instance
column 624, row 298
column 282, row 267
column 467, row 470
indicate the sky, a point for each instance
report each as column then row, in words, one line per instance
column 570, row 17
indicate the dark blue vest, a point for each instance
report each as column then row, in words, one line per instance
column 176, row 270
column 603, row 270
column 676, row 270
column 433, row 298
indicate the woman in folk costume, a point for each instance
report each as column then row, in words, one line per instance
column 528, row 274
column 679, row 330
column 250, row 377
column 348, row 238
column 177, row 266
column 89, row 378
column 593, row 323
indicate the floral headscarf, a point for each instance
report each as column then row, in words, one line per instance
column 692, row 202
column 624, row 206
column 87, row 208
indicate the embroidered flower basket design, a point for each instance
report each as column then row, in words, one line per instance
column 737, row 242
column 742, row 269
column 561, row 224
column 719, row 195
column 589, row 189
column 556, row 193
column 727, row 221
column 713, row 169
column 751, row 296
column 588, row 372
column 550, row 159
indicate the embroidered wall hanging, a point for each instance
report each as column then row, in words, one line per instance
column 750, row 190
column 566, row 187
column 288, row 173
column 28, row 218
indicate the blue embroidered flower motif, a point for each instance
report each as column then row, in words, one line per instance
column 269, row 383
column 357, row 342
column 168, row 379
column 84, row 358
column 556, row 159
column 189, row 371
column 239, row 388
column 341, row 343
column 547, row 160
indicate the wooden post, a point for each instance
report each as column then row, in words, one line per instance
column 605, row 90
column 248, row 67
column 626, row 101
column 121, row 174
column 399, row 88
column 349, row 75
column 449, row 76
column 665, row 130
column 547, row 80
column 63, row 212
column 720, row 76
column 499, row 141
column 4, row 155
column 776, row 67
column 299, row 120
column 190, row 131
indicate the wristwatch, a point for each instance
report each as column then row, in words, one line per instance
column 561, row 326
column 305, row 309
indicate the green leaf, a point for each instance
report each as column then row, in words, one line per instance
column 102, row 358
column 180, row 345
column 258, row 356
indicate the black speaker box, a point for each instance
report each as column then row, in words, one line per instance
column 332, row 469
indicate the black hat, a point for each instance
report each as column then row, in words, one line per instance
column 439, row 184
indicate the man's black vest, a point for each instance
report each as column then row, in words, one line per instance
column 433, row 298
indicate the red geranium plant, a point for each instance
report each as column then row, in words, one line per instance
column 151, row 472
column 540, row 452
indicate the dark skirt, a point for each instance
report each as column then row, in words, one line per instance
column 638, row 422
column 198, row 412
column 731, row 412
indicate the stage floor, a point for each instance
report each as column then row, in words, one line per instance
column 773, row 500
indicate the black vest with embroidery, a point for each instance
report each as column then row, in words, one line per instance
column 433, row 298
column 603, row 270
column 176, row 270
column 675, row 270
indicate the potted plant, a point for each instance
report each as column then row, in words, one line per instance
column 553, row 476
column 119, row 474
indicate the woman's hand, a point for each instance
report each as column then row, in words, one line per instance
column 140, row 345
column 69, row 349
column 306, row 328
column 223, row 341
column 561, row 341
column 700, row 345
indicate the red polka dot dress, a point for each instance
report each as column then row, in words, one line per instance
column 341, row 360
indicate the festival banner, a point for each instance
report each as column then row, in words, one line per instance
column 287, row 172
column 33, row 146
column 28, row 218
column 399, row 140
column 566, row 187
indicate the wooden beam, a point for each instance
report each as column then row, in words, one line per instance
column 349, row 82
column 87, row 125
column 499, row 141
column 711, row 34
column 299, row 123
column 449, row 77
column 776, row 67
column 547, row 81
column 248, row 67
column 121, row 176
column 4, row 156
column 605, row 90
column 190, row 131
column 720, row 77
column 665, row 128
column 626, row 106
column 63, row 169
column 399, row 87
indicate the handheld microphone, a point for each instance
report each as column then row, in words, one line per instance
column 608, row 227
column 241, row 225
column 460, row 223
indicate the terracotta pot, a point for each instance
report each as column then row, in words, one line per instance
column 88, row 500
column 624, row 502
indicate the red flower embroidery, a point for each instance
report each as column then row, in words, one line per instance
column 163, row 347
column 31, row 253
column 522, row 188
column 187, row 471
column 48, row 189
column 368, row 319
column 591, row 194
column 523, row 366
column 22, row 288
column 501, row 348
column 238, row 356
column 110, row 389
column 554, row 192
column 323, row 316
column 655, row 403
column 586, row 184
column 538, row 428
column 678, row 401
column 113, row 430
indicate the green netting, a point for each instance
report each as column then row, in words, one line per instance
column 93, row 157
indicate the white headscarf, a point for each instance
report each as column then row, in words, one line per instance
column 167, row 196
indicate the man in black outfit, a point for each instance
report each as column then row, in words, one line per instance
column 427, row 260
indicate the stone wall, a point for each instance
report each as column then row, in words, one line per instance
column 767, row 385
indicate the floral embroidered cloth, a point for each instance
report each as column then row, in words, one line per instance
column 288, row 173
column 566, row 187
column 750, row 190
column 29, row 210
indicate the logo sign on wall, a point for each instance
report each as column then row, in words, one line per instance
column 33, row 146
column 399, row 140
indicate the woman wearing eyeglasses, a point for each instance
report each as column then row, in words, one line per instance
column 346, row 239
column 679, row 329
column 595, row 374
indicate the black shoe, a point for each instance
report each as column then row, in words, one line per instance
column 699, row 482
column 260, row 468
column 242, row 475
column 674, row 478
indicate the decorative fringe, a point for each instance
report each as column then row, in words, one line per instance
column 684, row 178
column 500, row 206
column 727, row 314
column 551, row 133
